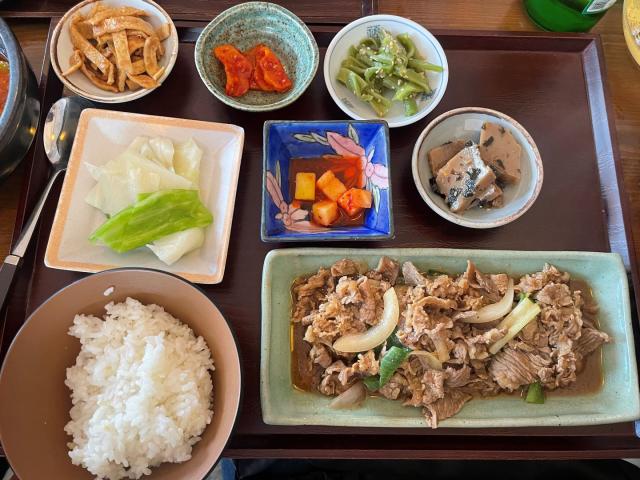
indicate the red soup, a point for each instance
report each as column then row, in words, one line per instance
column 4, row 83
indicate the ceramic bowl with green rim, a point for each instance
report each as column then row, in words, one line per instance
column 246, row 25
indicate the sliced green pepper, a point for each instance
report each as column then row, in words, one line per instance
column 422, row 65
column 410, row 106
column 407, row 43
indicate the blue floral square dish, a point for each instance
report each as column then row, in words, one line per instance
column 358, row 149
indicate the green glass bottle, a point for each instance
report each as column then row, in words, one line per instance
column 567, row 15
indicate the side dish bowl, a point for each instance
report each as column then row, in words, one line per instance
column 19, row 117
column 35, row 401
column 616, row 401
column 465, row 124
column 426, row 45
column 365, row 142
column 244, row 26
column 61, row 48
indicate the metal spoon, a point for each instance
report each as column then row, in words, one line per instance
column 58, row 134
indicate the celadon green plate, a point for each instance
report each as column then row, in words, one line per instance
column 616, row 401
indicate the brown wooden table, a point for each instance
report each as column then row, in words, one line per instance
column 437, row 14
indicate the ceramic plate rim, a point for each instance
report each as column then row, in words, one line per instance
column 52, row 259
column 382, row 17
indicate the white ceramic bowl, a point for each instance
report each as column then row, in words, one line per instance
column 464, row 124
column 352, row 34
column 61, row 48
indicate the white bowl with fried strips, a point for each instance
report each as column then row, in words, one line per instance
column 61, row 49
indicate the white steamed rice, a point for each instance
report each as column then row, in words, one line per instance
column 141, row 390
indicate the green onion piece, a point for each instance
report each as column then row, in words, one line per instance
column 422, row 65
column 153, row 216
column 407, row 43
column 372, row 383
column 390, row 363
column 523, row 313
column 535, row 393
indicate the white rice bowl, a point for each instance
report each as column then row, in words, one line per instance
column 141, row 390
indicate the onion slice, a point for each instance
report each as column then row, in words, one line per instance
column 494, row 311
column 427, row 358
column 376, row 335
column 351, row 397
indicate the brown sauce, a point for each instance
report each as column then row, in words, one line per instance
column 589, row 379
column 346, row 169
column 302, row 371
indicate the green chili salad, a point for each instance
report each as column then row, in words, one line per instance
column 382, row 66
column 435, row 341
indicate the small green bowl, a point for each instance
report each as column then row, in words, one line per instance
column 246, row 25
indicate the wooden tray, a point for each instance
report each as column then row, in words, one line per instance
column 313, row 11
column 552, row 84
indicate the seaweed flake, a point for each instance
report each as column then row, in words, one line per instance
column 474, row 173
column 469, row 188
column 453, row 195
column 501, row 129
column 487, row 142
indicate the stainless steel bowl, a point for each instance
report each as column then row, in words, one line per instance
column 19, row 119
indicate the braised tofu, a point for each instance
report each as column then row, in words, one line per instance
column 305, row 186
column 501, row 151
column 439, row 156
column 490, row 196
column 330, row 185
column 463, row 177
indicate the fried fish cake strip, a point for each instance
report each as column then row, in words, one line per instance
column 88, row 50
column 116, row 24
column 150, row 53
column 108, row 12
column 145, row 81
column 75, row 62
